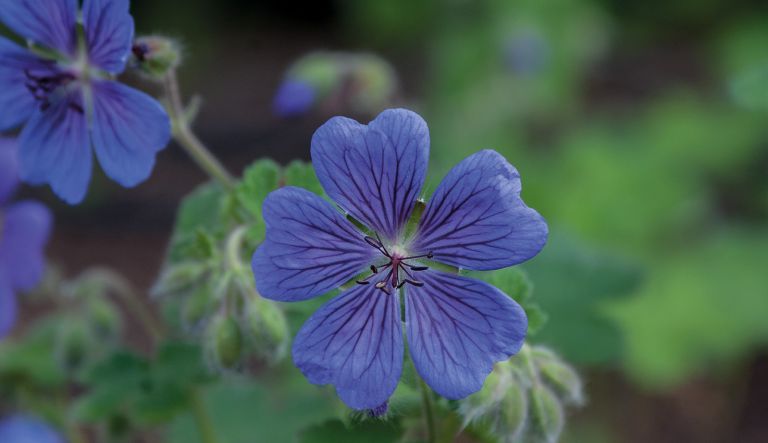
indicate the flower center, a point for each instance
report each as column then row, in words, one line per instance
column 397, row 272
column 42, row 84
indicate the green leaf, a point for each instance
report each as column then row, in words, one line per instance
column 335, row 431
column 573, row 285
column 269, row 410
column 259, row 179
column 199, row 215
column 301, row 174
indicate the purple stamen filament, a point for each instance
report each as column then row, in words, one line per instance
column 395, row 265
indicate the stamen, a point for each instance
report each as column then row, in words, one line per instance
column 418, row 268
column 428, row 255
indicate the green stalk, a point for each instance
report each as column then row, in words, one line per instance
column 428, row 411
column 201, row 417
column 188, row 140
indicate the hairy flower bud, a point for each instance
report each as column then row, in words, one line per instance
column 267, row 328
column 522, row 399
column 105, row 318
column 546, row 416
column 224, row 342
column 72, row 344
column 155, row 55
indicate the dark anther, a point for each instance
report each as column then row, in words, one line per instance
column 362, row 282
column 419, row 268
column 416, row 283
column 374, row 269
column 140, row 51
column 77, row 108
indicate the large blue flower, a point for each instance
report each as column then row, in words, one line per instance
column 26, row 429
column 457, row 327
column 62, row 91
column 24, row 230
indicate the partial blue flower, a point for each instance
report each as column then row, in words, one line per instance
column 24, row 230
column 457, row 327
column 63, row 92
column 26, row 429
column 293, row 98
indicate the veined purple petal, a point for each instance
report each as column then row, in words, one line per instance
column 129, row 128
column 477, row 220
column 458, row 328
column 54, row 148
column 374, row 172
column 16, row 102
column 50, row 23
column 23, row 236
column 310, row 248
column 109, row 30
column 354, row 342
column 9, row 170
column 8, row 308
column 24, row 429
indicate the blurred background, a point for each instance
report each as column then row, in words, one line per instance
column 641, row 133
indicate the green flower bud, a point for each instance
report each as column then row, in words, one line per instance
column 268, row 329
column 105, row 318
column 72, row 344
column 513, row 413
column 559, row 376
column 547, row 420
column 197, row 307
column 224, row 342
column 156, row 56
column 178, row 278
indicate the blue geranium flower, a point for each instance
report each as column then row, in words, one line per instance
column 24, row 230
column 62, row 91
column 25, row 429
column 457, row 327
column 293, row 98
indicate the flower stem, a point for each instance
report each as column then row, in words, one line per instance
column 184, row 136
column 202, row 419
column 428, row 411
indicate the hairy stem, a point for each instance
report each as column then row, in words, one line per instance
column 202, row 419
column 428, row 411
column 184, row 136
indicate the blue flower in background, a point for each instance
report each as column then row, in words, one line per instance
column 457, row 327
column 294, row 97
column 62, row 91
column 25, row 429
column 24, row 230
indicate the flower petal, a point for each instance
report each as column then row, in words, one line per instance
column 22, row 428
column 458, row 328
column 54, row 148
column 9, row 170
column 354, row 342
column 50, row 23
column 23, row 236
column 374, row 172
column 128, row 129
column 310, row 248
column 477, row 220
column 109, row 30
column 8, row 308
column 16, row 102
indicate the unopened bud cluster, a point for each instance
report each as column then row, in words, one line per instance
column 524, row 398
column 219, row 302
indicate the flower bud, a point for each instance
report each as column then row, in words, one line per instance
column 155, row 56
column 72, row 344
column 559, row 376
column 224, row 342
column 546, row 422
column 105, row 318
column 197, row 307
column 268, row 329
